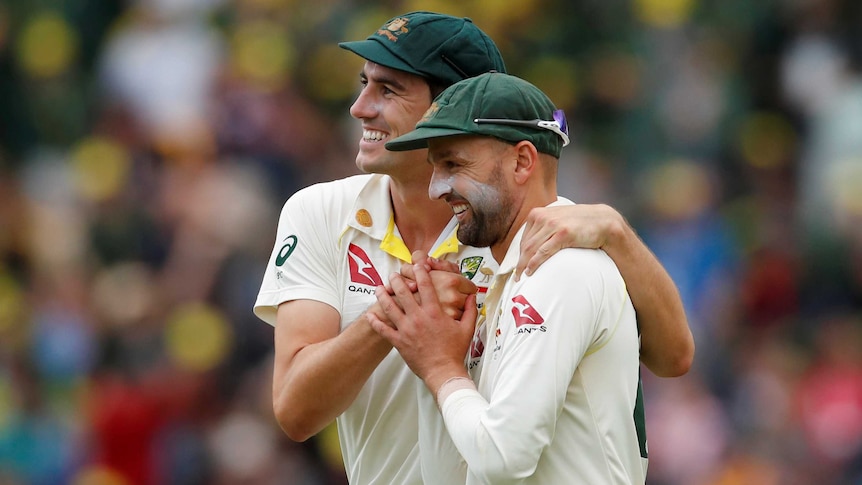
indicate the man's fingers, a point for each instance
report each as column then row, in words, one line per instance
column 467, row 286
column 389, row 305
column 388, row 333
column 419, row 257
column 402, row 292
column 536, row 232
column 443, row 265
column 409, row 278
column 545, row 251
column 407, row 271
column 533, row 252
column 427, row 293
column 471, row 311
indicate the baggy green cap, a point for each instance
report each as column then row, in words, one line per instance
column 492, row 104
column 438, row 47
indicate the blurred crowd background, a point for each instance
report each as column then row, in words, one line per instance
column 147, row 146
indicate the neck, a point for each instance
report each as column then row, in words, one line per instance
column 539, row 196
column 420, row 219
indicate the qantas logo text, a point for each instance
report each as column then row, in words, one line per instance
column 361, row 269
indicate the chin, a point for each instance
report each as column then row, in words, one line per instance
column 366, row 162
column 373, row 167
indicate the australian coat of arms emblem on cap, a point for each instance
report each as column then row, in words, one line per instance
column 430, row 112
column 395, row 28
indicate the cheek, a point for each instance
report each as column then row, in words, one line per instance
column 486, row 195
column 403, row 118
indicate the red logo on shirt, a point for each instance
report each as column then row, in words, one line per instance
column 477, row 347
column 524, row 312
column 361, row 269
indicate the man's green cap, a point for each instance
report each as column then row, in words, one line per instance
column 438, row 47
column 483, row 105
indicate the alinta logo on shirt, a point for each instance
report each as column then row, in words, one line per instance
column 527, row 318
column 361, row 270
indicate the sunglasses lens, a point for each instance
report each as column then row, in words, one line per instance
column 560, row 117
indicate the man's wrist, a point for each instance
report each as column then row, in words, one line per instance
column 450, row 386
column 619, row 234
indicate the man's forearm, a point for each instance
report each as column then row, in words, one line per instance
column 324, row 378
column 667, row 345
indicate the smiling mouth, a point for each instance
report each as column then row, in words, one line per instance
column 374, row 135
column 459, row 209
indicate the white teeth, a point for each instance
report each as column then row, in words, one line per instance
column 459, row 208
column 373, row 135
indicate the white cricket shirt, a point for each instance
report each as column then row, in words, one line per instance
column 336, row 242
column 558, row 380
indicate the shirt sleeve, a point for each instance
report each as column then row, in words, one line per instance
column 303, row 262
column 503, row 432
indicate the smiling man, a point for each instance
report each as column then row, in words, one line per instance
column 556, row 398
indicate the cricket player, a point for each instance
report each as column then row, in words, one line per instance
column 554, row 397
column 338, row 241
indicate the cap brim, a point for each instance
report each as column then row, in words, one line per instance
column 374, row 51
column 419, row 137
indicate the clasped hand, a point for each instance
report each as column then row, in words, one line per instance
column 431, row 312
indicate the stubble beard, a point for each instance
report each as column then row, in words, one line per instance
column 491, row 216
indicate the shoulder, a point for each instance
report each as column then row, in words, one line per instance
column 322, row 207
column 346, row 189
column 580, row 284
column 580, row 258
column 327, row 198
column 577, row 267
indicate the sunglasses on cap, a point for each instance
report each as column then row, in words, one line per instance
column 558, row 125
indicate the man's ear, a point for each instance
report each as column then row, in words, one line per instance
column 527, row 161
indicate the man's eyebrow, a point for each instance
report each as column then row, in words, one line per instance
column 383, row 79
column 441, row 155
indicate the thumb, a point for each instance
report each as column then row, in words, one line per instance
column 471, row 312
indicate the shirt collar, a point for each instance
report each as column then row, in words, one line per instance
column 510, row 260
column 372, row 210
column 373, row 215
